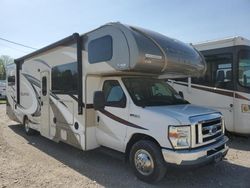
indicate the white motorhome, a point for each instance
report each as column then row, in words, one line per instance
column 226, row 83
column 102, row 89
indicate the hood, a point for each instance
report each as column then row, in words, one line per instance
column 182, row 113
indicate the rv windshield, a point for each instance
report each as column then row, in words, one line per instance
column 152, row 92
column 244, row 68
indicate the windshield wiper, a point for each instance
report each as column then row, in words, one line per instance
column 141, row 104
column 181, row 102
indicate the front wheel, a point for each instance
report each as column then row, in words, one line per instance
column 147, row 161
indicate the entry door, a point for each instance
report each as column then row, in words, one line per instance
column 45, row 112
column 219, row 76
column 222, row 69
column 111, row 122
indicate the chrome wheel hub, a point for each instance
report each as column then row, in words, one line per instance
column 144, row 162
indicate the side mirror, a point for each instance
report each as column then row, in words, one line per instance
column 181, row 94
column 99, row 100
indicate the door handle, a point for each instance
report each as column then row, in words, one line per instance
column 98, row 119
column 231, row 107
column 41, row 103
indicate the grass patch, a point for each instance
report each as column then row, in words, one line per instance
column 2, row 101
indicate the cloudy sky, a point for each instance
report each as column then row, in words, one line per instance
column 38, row 23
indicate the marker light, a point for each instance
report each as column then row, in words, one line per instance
column 245, row 108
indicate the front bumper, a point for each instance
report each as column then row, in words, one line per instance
column 194, row 156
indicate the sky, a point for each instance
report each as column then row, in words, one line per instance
column 38, row 23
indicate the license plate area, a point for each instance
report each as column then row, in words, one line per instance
column 215, row 150
column 218, row 157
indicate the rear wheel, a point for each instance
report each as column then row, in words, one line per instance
column 147, row 161
column 27, row 128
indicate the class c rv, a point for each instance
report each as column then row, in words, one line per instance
column 226, row 83
column 102, row 88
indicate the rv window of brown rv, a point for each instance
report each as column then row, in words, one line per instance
column 11, row 80
column 44, row 86
column 65, row 79
column 100, row 49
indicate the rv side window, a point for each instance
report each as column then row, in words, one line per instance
column 114, row 95
column 44, row 86
column 11, row 80
column 100, row 49
column 219, row 72
column 244, row 68
column 65, row 79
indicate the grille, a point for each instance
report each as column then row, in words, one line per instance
column 207, row 131
column 211, row 130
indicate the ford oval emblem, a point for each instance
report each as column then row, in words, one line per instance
column 213, row 130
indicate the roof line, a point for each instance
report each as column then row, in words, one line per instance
column 72, row 37
column 220, row 39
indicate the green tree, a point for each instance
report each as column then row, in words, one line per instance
column 4, row 60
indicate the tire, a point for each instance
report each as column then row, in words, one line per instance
column 147, row 153
column 27, row 129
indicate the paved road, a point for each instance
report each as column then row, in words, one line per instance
column 38, row 162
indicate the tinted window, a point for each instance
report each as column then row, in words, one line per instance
column 44, row 86
column 169, row 45
column 244, row 68
column 219, row 72
column 114, row 95
column 100, row 49
column 11, row 80
column 64, row 78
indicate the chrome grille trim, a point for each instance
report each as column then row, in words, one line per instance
column 207, row 135
column 208, row 128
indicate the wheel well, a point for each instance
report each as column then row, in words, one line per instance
column 135, row 138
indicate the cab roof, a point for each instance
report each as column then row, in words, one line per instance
column 222, row 43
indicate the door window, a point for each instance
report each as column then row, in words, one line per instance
column 44, row 85
column 11, row 80
column 114, row 95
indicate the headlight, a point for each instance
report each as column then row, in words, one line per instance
column 180, row 136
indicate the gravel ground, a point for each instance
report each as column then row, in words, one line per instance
column 38, row 162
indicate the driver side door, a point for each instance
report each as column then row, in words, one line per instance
column 111, row 128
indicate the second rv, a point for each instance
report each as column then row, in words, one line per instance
column 225, row 86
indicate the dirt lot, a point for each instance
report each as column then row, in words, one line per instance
column 38, row 162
